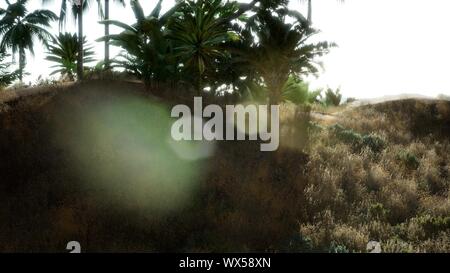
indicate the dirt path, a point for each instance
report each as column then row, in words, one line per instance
column 325, row 118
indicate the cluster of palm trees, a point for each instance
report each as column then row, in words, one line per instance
column 203, row 45
column 19, row 29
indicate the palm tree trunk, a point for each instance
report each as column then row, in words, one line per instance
column 80, row 42
column 310, row 11
column 21, row 63
column 107, row 62
column 199, row 85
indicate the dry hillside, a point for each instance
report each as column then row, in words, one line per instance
column 92, row 162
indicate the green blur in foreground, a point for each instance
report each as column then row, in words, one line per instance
column 122, row 147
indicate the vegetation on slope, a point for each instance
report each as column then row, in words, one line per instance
column 323, row 190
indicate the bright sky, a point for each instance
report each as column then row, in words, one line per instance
column 386, row 47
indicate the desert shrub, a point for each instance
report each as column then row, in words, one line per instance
column 439, row 244
column 352, row 176
column 300, row 243
column 435, row 205
column 337, row 128
column 410, row 231
column 421, row 228
column 433, row 173
column 434, row 225
column 322, row 193
column 350, row 237
column 409, row 160
column 337, row 248
column 357, row 140
column 315, row 127
column 374, row 142
column 378, row 212
column 396, row 245
column 376, row 178
column 350, row 137
column 401, row 199
column 347, row 136
column 335, row 238
column 379, row 230
column 433, row 183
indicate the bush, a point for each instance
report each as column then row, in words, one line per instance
column 300, row 243
column 378, row 211
column 401, row 199
column 409, row 160
column 434, row 225
column 351, row 137
column 374, row 142
column 358, row 141
column 397, row 246
column 336, row 248
column 376, row 178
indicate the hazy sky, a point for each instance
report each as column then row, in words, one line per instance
column 386, row 47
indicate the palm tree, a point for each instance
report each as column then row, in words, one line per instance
column 78, row 8
column 199, row 37
column 64, row 52
column 282, row 50
column 310, row 9
column 147, row 52
column 107, row 57
column 20, row 28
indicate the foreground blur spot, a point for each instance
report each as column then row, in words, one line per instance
column 120, row 148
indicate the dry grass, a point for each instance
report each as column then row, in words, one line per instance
column 384, row 196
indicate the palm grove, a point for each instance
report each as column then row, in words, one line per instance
column 259, row 49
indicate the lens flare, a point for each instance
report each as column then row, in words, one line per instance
column 122, row 147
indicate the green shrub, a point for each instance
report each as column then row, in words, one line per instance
column 337, row 248
column 378, row 211
column 358, row 141
column 374, row 142
column 300, row 243
column 350, row 137
column 409, row 159
column 336, row 128
column 314, row 127
column 434, row 225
